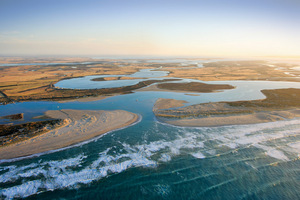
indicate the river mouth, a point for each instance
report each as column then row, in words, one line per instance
column 156, row 160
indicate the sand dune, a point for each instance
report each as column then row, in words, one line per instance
column 80, row 125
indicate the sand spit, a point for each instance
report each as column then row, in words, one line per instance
column 255, row 118
column 279, row 104
column 80, row 125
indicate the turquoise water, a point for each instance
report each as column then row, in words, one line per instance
column 152, row 160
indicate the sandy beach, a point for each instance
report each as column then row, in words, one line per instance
column 255, row 118
column 80, row 125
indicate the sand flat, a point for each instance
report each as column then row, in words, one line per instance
column 80, row 125
column 255, row 118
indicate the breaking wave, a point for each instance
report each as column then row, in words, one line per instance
column 275, row 140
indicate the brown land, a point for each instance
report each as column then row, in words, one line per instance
column 35, row 82
column 49, row 92
column 13, row 60
column 25, row 83
column 10, row 134
column 167, row 103
column 79, row 125
column 186, row 87
column 279, row 104
column 194, row 87
column 235, row 70
column 18, row 116
column 22, row 84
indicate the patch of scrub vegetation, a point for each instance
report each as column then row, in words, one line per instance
column 10, row 134
column 194, row 87
column 276, row 100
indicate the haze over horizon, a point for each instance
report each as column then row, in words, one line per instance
column 158, row 28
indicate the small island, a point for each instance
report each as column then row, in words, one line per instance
column 196, row 87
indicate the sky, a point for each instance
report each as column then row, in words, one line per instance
column 150, row 27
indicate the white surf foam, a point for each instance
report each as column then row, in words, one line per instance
column 197, row 142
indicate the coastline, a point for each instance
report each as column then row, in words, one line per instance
column 279, row 104
column 255, row 118
column 80, row 126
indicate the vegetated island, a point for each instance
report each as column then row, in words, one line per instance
column 18, row 116
column 114, row 78
column 197, row 87
column 68, row 127
column 279, row 104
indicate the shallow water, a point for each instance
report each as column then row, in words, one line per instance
column 88, row 83
column 152, row 160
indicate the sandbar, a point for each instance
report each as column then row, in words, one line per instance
column 255, row 118
column 79, row 126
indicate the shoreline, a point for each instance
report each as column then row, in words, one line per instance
column 81, row 126
column 279, row 104
column 191, row 87
column 255, row 118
